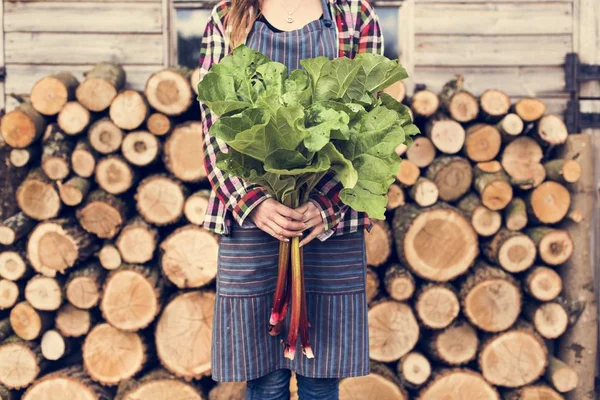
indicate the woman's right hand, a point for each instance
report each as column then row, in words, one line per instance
column 278, row 220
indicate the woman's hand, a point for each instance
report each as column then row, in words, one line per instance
column 278, row 220
column 312, row 219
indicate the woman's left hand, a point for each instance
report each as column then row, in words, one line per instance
column 313, row 219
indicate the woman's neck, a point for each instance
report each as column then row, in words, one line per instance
column 277, row 12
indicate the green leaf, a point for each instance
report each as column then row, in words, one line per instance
column 219, row 94
column 360, row 199
column 376, row 73
column 343, row 167
column 297, row 89
column 336, row 79
column 290, row 162
column 320, row 121
column 244, row 132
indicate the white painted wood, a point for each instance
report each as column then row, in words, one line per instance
column 68, row 48
column 2, row 97
column 515, row 81
column 166, row 25
column 406, row 41
column 77, row 1
column 20, row 78
column 491, row 50
column 83, row 17
column 509, row 18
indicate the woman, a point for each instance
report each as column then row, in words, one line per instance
column 252, row 222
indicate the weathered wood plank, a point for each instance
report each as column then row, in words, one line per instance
column 20, row 78
column 2, row 97
column 67, row 48
column 83, row 17
column 488, row 1
column 515, row 81
column 406, row 41
column 77, row 1
column 543, row 17
column 456, row 50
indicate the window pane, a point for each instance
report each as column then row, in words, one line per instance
column 190, row 27
column 388, row 18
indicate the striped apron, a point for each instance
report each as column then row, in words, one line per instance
column 335, row 270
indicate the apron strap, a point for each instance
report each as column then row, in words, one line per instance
column 326, row 14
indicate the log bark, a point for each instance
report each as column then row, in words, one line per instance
column 109, row 256
column 72, row 380
column 549, row 319
column 491, row 298
column 510, row 127
column 115, row 175
column 160, row 199
column 543, row 283
column 102, row 214
column 6, row 394
column 372, row 284
column 563, row 171
column 109, row 364
column 424, row 103
column 421, row 152
column 513, row 358
column 494, row 188
column 132, row 297
column 395, row 197
column 195, row 207
column 158, row 384
column 169, row 91
column 424, row 192
column 141, row 148
column 455, row 345
column 378, row 243
column 513, row 251
column 56, row 245
column 5, row 329
column 447, row 135
column 137, row 241
column 186, row 359
column 482, row 142
column 22, row 126
column 129, row 109
column 37, row 196
column 44, row 293
column 493, row 105
column 561, row 376
column 159, row 124
column 408, row 173
column 50, row 93
column 414, row 369
column 551, row 130
column 104, row 136
column 578, row 347
column 29, row 323
column 521, row 159
column 515, row 215
column 399, row 282
column 100, row 86
column 554, row 246
column 548, row 203
column 74, row 190
column 436, row 305
column 83, row 286
column 458, row 384
column 393, row 330
column 451, row 175
column 56, row 153
column 484, row 221
column 381, row 383
column 21, row 362
column 183, row 155
column 74, row 118
column 73, row 322
column 437, row 243
column 529, row 109
column 83, row 159
column 15, row 228
column 460, row 104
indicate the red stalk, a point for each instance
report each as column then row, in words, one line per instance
column 296, row 276
column 277, row 312
column 276, row 330
column 304, row 324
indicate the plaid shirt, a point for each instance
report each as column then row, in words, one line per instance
column 358, row 31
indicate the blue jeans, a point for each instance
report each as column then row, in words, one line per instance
column 276, row 386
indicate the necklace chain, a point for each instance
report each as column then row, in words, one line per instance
column 289, row 18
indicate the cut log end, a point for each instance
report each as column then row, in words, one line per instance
column 485, row 221
column 395, row 195
column 114, row 175
column 141, row 148
column 104, row 136
column 379, row 384
column 53, row 345
column 543, row 283
column 399, row 283
column 393, row 331
column 550, row 202
column 12, row 265
column 463, row 107
column 109, row 257
column 458, row 384
column 447, row 135
column 111, row 355
column 552, row 130
column 424, row 192
column 530, row 109
column 455, row 345
column 38, row 199
column 73, row 118
column 44, row 293
column 169, row 91
column 158, row 124
column 19, row 364
column 533, row 392
column 378, row 243
column 27, row 322
column 160, row 199
column 129, row 109
column 73, row 322
column 9, row 294
column 424, row 103
column 437, row 306
column 549, row 319
column 421, row 152
column 414, row 369
column 451, row 175
column 183, row 153
column 408, row 173
column 482, row 143
column 510, row 126
column 494, row 103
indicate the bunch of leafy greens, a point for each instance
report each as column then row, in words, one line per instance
column 285, row 132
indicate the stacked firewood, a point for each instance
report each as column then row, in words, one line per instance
column 107, row 279
column 464, row 280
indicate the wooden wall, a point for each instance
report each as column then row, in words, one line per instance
column 518, row 46
column 43, row 37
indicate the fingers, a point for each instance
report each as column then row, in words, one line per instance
column 281, row 231
column 287, row 224
column 265, row 227
column 313, row 234
column 303, row 208
column 289, row 212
